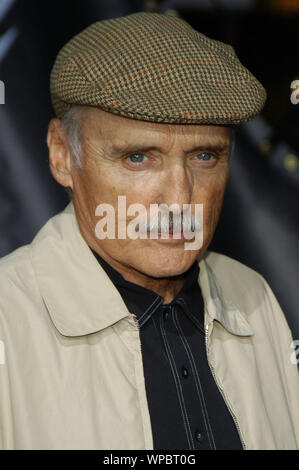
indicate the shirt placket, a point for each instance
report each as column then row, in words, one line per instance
column 186, row 379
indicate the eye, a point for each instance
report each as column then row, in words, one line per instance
column 205, row 156
column 137, row 158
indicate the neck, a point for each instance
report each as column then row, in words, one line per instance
column 166, row 287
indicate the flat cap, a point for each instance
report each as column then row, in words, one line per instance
column 154, row 67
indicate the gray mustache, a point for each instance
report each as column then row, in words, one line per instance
column 171, row 223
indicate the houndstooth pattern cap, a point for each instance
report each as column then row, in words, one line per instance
column 154, row 67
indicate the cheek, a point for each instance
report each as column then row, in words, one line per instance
column 99, row 187
column 106, row 188
column 110, row 187
column 213, row 206
column 210, row 194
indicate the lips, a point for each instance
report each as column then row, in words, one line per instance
column 167, row 235
column 170, row 234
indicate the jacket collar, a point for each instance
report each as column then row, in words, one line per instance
column 79, row 295
column 217, row 305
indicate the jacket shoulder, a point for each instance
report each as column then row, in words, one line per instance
column 241, row 284
column 16, row 268
column 248, row 290
column 17, row 279
column 231, row 270
column 15, row 262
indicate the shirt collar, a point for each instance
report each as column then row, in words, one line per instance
column 81, row 298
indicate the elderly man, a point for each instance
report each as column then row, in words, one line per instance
column 143, row 339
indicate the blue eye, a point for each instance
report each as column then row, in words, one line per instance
column 137, row 158
column 204, row 156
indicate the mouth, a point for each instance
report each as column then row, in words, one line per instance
column 171, row 235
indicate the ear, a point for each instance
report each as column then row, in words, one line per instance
column 60, row 157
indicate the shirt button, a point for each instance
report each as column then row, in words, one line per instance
column 166, row 313
column 184, row 372
column 198, row 436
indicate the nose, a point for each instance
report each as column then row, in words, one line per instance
column 176, row 186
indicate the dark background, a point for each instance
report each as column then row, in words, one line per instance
column 259, row 224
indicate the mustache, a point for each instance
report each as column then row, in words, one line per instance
column 171, row 222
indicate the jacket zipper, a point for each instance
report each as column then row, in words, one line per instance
column 221, row 389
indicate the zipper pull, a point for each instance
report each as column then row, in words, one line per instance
column 135, row 320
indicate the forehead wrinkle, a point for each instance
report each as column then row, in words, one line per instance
column 108, row 128
column 166, row 141
column 195, row 136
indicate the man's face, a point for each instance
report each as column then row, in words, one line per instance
column 149, row 163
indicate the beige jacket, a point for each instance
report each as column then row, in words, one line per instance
column 71, row 372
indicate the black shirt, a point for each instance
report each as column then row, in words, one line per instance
column 187, row 409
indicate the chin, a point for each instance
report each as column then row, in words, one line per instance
column 166, row 263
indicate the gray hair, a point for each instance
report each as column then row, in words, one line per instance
column 71, row 123
column 72, row 126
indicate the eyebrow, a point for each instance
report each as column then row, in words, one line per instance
column 219, row 147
